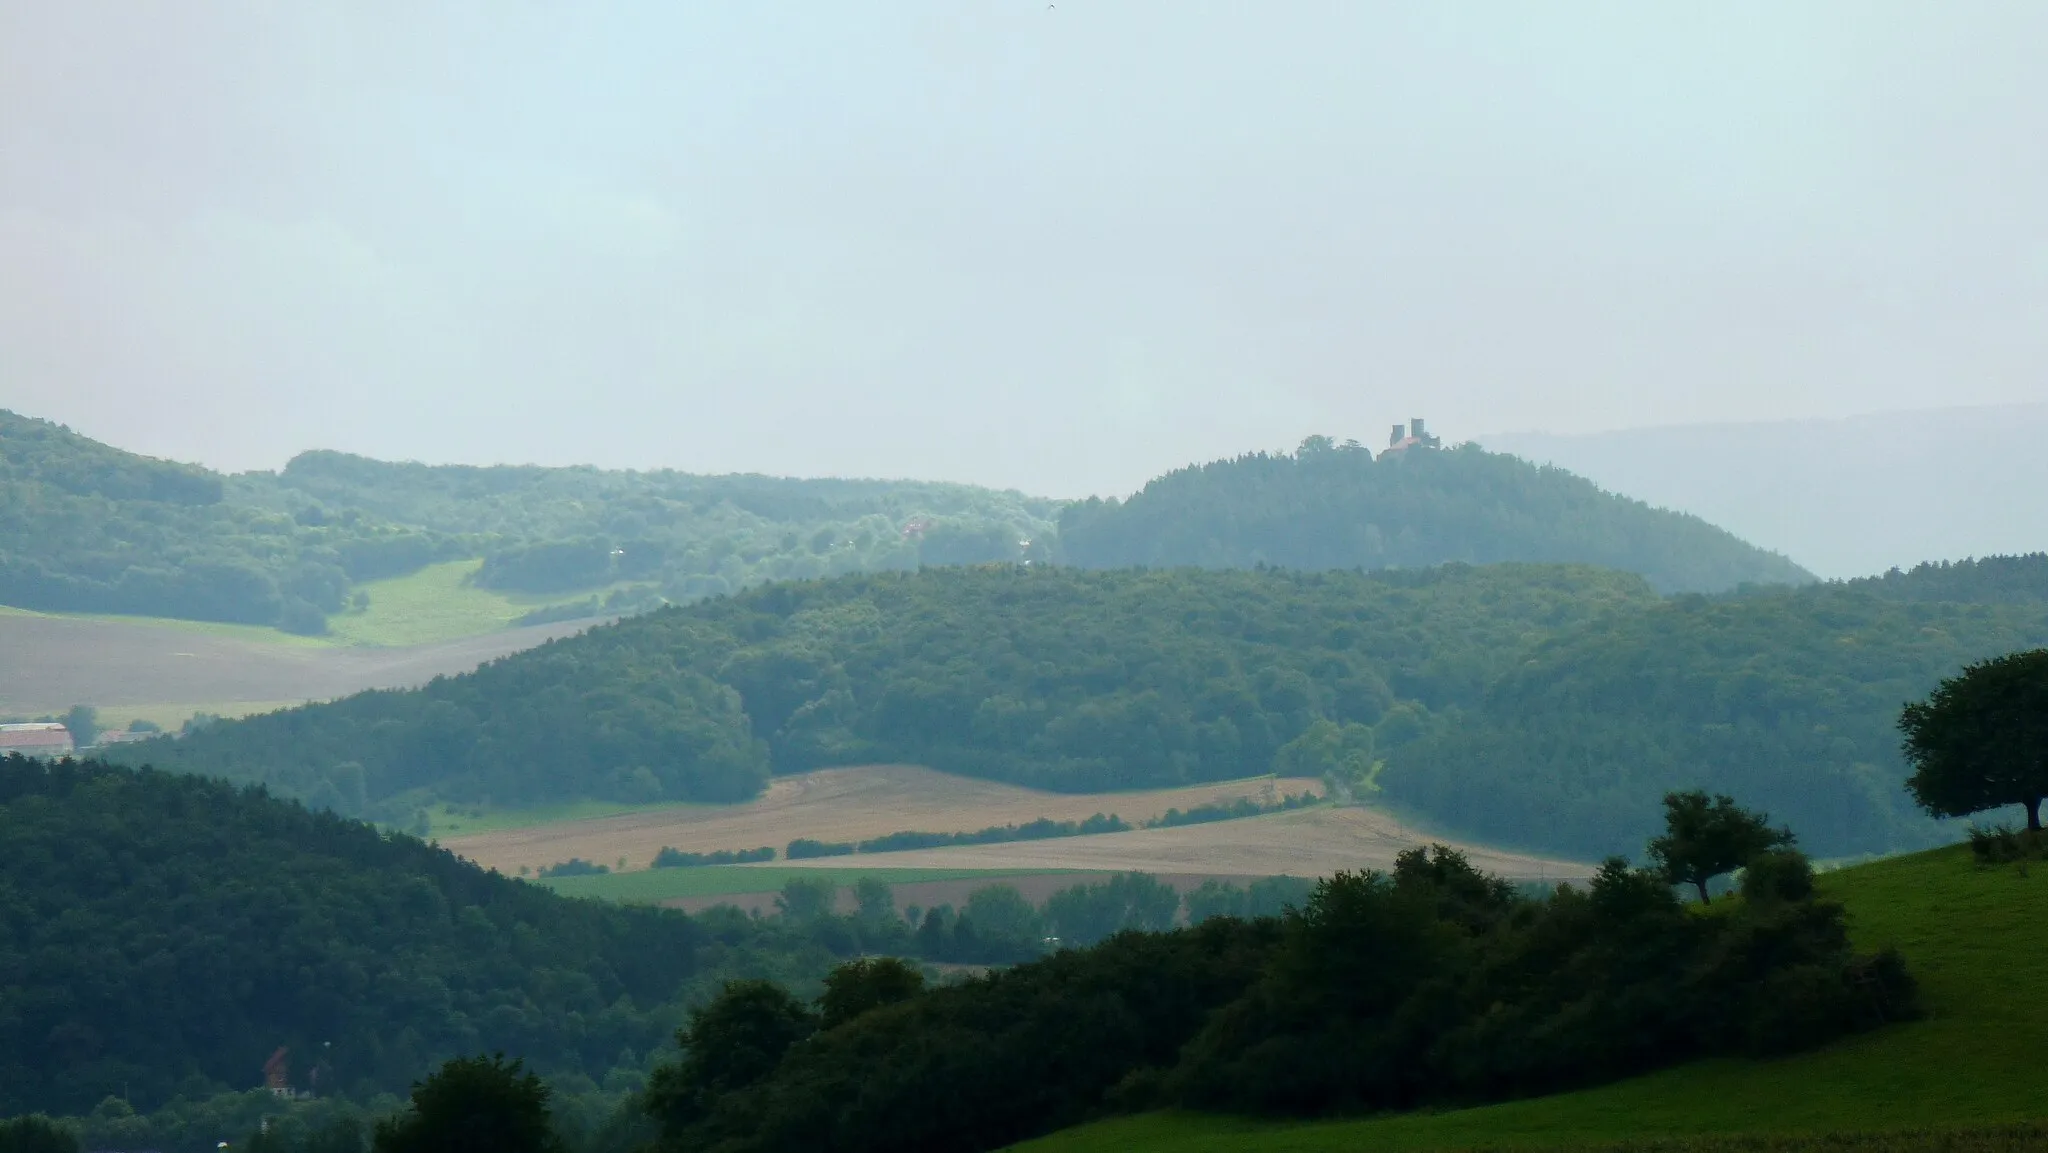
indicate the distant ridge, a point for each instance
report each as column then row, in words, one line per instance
column 1846, row 498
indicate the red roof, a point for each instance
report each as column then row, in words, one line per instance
column 36, row 738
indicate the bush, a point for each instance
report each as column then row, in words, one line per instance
column 676, row 859
column 574, row 867
column 804, row 848
column 2002, row 845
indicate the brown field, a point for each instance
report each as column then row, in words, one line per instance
column 848, row 804
column 1304, row 843
column 856, row 803
column 1036, row 887
column 49, row 663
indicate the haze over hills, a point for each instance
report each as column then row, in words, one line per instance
column 1845, row 498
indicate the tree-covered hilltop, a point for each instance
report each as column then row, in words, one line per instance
column 1987, row 581
column 1332, row 506
column 162, row 935
column 88, row 528
column 1534, row 705
column 555, row 530
column 85, row 527
column 1056, row 678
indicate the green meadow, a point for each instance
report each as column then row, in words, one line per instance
column 1976, row 938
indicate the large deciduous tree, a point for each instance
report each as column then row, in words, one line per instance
column 1980, row 740
column 473, row 1105
column 1706, row 837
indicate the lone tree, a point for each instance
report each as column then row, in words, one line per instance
column 1704, row 838
column 1980, row 740
column 473, row 1105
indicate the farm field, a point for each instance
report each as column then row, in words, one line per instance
column 49, row 662
column 1976, row 940
column 845, row 804
column 851, row 804
column 706, row 885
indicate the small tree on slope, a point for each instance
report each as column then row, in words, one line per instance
column 1980, row 740
column 1704, row 838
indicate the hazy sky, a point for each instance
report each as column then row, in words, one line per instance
column 1057, row 248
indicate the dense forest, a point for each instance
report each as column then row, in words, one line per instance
column 1469, row 697
column 1331, row 506
column 1057, row 678
column 1431, row 985
column 162, row 935
column 88, row 528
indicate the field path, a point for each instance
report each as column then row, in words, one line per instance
column 847, row 804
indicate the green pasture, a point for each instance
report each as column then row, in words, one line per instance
column 1977, row 939
column 437, row 603
column 645, row 885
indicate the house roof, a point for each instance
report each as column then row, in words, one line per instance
column 40, row 736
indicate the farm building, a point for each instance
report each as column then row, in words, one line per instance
column 43, row 739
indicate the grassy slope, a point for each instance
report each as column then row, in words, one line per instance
column 1978, row 941
column 718, row 880
column 434, row 604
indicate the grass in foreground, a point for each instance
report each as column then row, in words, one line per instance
column 1976, row 939
column 645, row 885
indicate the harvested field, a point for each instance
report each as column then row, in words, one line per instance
column 1304, row 843
column 953, row 891
column 49, row 663
column 849, row 804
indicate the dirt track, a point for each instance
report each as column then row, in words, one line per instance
column 48, row 664
column 848, row 804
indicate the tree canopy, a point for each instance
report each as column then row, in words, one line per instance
column 1704, row 838
column 1980, row 739
column 473, row 1105
column 1337, row 507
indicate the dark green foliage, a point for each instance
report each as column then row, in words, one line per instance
column 804, row 848
column 1038, row 830
column 1230, row 811
column 1705, row 838
column 167, row 933
column 473, row 1105
column 83, row 723
column 1437, row 985
column 574, row 867
column 1338, row 508
column 36, row 1134
column 2002, row 846
column 730, row 1044
column 864, row 985
column 1980, row 740
column 987, row 1062
column 669, row 858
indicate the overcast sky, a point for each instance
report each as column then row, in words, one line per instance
column 1060, row 248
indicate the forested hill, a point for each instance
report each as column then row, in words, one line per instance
column 1333, row 507
column 163, row 935
column 89, row 528
column 1544, row 706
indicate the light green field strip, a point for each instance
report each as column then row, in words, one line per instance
column 1977, row 940
column 434, row 604
column 644, row 885
column 171, row 717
